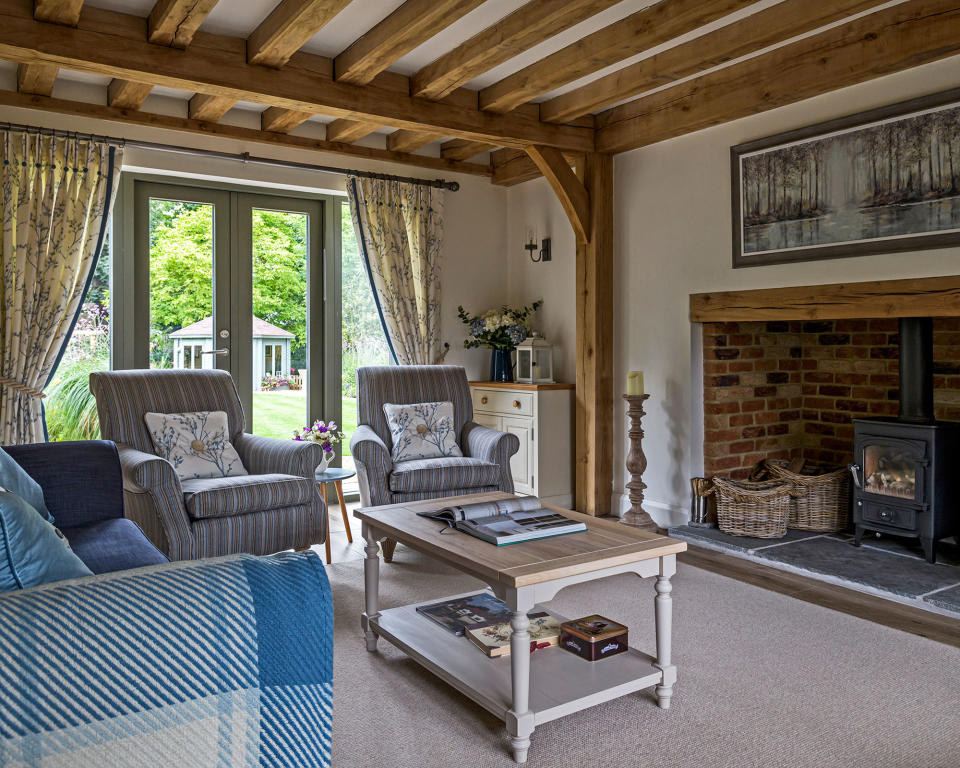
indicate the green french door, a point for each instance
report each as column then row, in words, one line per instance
column 226, row 278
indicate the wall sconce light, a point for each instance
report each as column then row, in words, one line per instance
column 531, row 247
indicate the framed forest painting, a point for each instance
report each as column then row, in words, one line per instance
column 880, row 181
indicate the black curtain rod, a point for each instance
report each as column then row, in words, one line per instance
column 243, row 157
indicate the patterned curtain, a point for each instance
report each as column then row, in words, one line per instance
column 400, row 230
column 56, row 196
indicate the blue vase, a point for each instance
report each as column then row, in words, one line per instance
column 501, row 365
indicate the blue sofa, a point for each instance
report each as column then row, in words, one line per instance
column 219, row 662
column 83, row 487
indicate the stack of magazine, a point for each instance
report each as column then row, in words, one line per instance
column 507, row 521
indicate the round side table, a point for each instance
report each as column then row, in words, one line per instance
column 336, row 476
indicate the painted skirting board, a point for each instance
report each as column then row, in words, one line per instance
column 664, row 515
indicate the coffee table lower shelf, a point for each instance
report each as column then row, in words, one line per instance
column 560, row 682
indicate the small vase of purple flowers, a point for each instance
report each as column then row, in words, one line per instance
column 325, row 434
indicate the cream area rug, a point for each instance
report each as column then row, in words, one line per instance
column 764, row 680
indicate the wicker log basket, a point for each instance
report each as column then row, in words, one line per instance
column 825, row 505
column 757, row 509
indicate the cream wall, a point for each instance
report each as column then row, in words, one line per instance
column 475, row 242
column 672, row 235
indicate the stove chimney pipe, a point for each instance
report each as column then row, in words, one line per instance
column 916, row 370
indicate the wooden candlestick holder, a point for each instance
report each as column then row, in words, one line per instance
column 636, row 464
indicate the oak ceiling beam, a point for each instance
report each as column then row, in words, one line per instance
column 569, row 190
column 512, row 166
column 114, row 44
column 408, row 141
column 185, row 125
column 459, row 149
column 58, row 11
column 636, row 33
column 126, row 94
column 172, row 23
column 204, row 106
column 529, row 25
column 349, row 131
column 754, row 33
column 36, row 78
column 282, row 120
column 887, row 41
column 175, row 22
column 412, row 24
column 288, row 27
column 40, row 78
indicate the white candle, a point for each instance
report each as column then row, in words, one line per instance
column 635, row 383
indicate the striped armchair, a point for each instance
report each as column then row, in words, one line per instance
column 484, row 466
column 276, row 507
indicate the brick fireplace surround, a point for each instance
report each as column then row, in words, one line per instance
column 790, row 388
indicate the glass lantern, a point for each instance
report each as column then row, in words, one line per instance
column 535, row 361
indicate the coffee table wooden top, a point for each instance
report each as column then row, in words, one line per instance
column 605, row 544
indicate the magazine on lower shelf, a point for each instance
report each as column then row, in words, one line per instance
column 494, row 639
column 461, row 613
column 506, row 521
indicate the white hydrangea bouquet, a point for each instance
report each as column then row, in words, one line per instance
column 501, row 328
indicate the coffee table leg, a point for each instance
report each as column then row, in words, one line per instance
column 371, row 583
column 519, row 717
column 663, row 608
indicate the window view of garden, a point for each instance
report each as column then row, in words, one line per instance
column 181, row 325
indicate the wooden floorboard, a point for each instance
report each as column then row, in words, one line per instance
column 906, row 618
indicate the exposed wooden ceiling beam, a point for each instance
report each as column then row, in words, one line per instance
column 204, row 106
column 349, row 130
column 408, row 141
column 887, row 41
column 515, row 33
column 172, row 23
column 133, row 117
column 282, row 120
column 40, row 78
column 413, row 23
column 58, row 11
column 36, row 78
column 288, row 27
column 175, row 22
column 114, row 44
column 459, row 149
column 126, row 94
column 513, row 166
column 754, row 33
column 634, row 34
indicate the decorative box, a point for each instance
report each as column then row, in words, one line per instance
column 593, row 637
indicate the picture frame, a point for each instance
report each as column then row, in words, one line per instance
column 881, row 181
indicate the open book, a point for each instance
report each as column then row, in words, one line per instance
column 506, row 521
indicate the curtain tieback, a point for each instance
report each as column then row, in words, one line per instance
column 5, row 382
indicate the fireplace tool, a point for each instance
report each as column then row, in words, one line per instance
column 700, row 507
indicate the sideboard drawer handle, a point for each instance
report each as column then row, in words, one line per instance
column 483, row 400
column 516, row 403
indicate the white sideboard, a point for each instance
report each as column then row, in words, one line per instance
column 541, row 415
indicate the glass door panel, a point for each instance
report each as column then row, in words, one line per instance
column 181, row 284
column 280, row 255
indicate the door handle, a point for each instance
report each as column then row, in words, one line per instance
column 217, row 352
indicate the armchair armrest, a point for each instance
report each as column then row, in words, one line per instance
column 266, row 455
column 254, row 633
column 491, row 445
column 156, row 501
column 374, row 465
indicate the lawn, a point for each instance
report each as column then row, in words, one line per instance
column 278, row 414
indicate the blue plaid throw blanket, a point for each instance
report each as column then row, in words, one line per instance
column 204, row 664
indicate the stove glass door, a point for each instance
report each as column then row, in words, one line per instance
column 890, row 469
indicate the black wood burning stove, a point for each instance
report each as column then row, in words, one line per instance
column 905, row 470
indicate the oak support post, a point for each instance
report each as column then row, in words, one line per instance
column 594, row 308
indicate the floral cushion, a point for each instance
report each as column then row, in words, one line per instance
column 197, row 443
column 422, row 430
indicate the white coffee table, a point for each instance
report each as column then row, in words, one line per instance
column 524, row 690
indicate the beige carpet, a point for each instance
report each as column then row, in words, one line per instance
column 764, row 680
